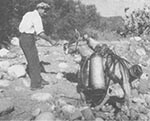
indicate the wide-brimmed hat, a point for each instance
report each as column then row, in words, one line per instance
column 43, row 5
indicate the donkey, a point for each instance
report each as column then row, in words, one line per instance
column 100, row 65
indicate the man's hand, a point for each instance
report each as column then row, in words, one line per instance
column 47, row 38
column 52, row 42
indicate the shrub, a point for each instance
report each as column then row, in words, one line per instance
column 63, row 18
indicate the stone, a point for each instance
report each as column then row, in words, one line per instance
column 77, row 58
column 143, row 109
column 45, row 116
column 141, row 52
column 144, row 86
column 68, row 108
column 4, row 83
column 36, row 112
column 116, row 90
column 59, row 76
column 17, row 71
column 99, row 119
column 148, row 115
column 136, row 38
column 26, row 82
column 18, row 89
column 134, row 93
column 61, row 102
column 138, row 100
column 57, row 53
column 63, row 65
column 76, row 115
column 6, row 106
column 135, row 83
column 88, row 114
column 41, row 97
column 3, row 52
column 58, row 119
column 143, row 117
column 148, row 62
column 101, row 114
column 144, row 76
column 15, row 41
column 147, row 99
column 4, row 65
column 134, row 114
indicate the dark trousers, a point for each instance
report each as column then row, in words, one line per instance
column 27, row 43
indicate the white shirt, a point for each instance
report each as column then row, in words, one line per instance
column 31, row 23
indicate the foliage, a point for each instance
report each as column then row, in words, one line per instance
column 137, row 22
column 63, row 18
column 5, row 13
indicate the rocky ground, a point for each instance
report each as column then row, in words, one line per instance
column 59, row 101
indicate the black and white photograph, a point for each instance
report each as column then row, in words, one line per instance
column 74, row 60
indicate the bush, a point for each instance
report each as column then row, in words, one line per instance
column 138, row 22
column 63, row 18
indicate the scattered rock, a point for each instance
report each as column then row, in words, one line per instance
column 36, row 112
column 17, row 71
column 4, row 65
column 148, row 62
column 134, row 93
column 41, row 97
column 15, row 41
column 3, row 52
column 135, row 83
column 46, row 116
column 60, row 59
column 143, row 117
column 18, row 89
column 77, row 58
column 68, row 108
column 88, row 114
column 116, row 90
column 77, row 115
column 61, row 102
column 63, row 65
column 138, row 100
column 147, row 99
column 58, row 119
column 136, row 38
column 59, row 76
column 143, row 109
column 99, row 119
column 26, row 82
column 4, row 83
column 141, row 52
column 6, row 106
column 144, row 76
column 144, row 86
column 134, row 114
column 56, row 53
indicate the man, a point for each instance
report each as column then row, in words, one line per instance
column 31, row 25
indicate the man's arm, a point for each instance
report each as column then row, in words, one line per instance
column 47, row 38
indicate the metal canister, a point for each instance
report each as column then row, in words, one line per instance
column 96, row 72
column 84, row 73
